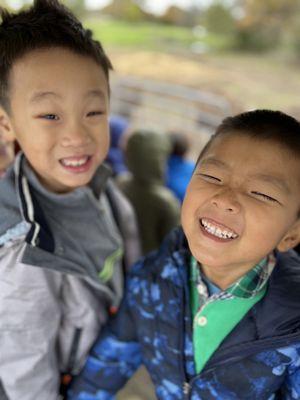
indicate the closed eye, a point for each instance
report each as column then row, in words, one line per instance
column 265, row 197
column 94, row 113
column 209, row 178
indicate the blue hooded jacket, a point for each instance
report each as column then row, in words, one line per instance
column 258, row 360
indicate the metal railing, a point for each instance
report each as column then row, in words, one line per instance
column 167, row 107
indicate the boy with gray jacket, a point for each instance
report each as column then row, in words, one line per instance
column 61, row 248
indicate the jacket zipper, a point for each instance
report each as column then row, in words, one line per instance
column 74, row 350
column 186, row 387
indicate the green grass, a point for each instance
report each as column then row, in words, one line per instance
column 149, row 36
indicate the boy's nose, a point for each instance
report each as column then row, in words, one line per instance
column 76, row 137
column 227, row 202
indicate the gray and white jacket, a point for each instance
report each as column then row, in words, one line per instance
column 61, row 270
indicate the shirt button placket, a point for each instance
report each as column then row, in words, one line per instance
column 202, row 321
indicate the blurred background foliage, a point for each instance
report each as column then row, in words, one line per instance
column 248, row 25
column 249, row 50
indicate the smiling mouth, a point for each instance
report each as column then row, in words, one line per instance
column 217, row 231
column 74, row 162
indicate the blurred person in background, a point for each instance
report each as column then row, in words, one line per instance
column 157, row 209
column 6, row 155
column 118, row 127
column 179, row 168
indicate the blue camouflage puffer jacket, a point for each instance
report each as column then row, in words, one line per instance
column 258, row 360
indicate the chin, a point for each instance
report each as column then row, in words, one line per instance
column 203, row 256
column 73, row 186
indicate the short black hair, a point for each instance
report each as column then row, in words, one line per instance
column 46, row 24
column 179, row 144
column 263, row 125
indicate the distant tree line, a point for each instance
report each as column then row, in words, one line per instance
column 250, row 24
column 254, row 25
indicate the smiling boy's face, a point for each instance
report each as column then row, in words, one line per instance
column 59, row 102
column 242, row 202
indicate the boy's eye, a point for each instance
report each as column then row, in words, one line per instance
column 209, row 178
column 50, row 117
column 94, row 113
column 265, row 197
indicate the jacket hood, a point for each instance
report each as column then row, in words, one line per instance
column 146, row 156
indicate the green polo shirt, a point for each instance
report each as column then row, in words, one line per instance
column 214, row 317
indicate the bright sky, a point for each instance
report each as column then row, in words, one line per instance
column 155, row 6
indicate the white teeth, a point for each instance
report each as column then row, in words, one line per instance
column 74, row 163
column 216, row 231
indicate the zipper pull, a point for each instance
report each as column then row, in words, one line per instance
column 186, row 387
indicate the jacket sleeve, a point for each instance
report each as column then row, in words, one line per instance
column 29, row 318
column 112, row 361
column 291, row 386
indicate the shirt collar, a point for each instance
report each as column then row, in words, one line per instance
column 249, row 285
column 254, row 280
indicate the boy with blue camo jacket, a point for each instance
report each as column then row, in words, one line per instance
column 214, row 314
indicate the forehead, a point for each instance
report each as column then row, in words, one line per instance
column 55, row 69
column 251, row 156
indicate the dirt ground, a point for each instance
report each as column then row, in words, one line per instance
column 138, row 388
column 249, row 81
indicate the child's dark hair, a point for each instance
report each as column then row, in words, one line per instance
column 179, row 144
column 264, row 125
column 46, row 24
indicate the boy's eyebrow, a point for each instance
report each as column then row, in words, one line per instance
column 42, row 95
column 276, row 181
column 214, row 161
column 96, row 93
column 280, row 183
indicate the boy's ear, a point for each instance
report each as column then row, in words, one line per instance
column 7, row 132
column 291, row 238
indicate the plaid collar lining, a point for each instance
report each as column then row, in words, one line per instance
column 247, row 286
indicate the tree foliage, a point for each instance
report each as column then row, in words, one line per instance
column 267, row 24
column 218, row 18
column 126, row 9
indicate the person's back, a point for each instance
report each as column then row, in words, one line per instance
column 156, row 208
column 214, row 313
column 61, row 266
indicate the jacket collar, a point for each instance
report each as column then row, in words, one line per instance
column 39, row 233
column 26, row 183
